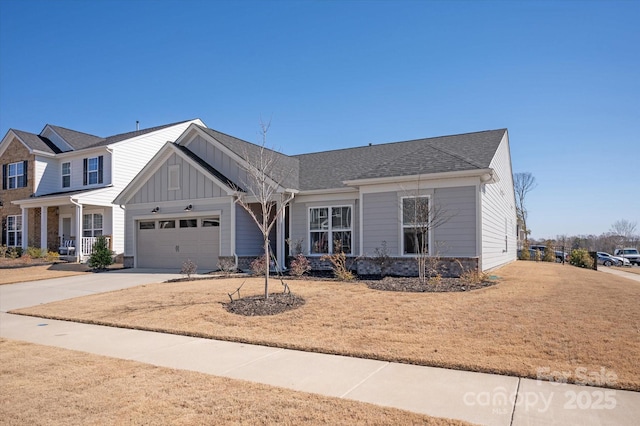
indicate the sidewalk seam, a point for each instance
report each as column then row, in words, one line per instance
column 253, row 360
column 515, row 402
column 364, row 380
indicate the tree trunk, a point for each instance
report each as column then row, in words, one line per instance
column 266, row 272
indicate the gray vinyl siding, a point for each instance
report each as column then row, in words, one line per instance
column 498, row 213
column 456, row 237
column 248, row 235
column 299, row 229
column 380, row 222
column 224, row 206
column 214, row 156
column 193, row 184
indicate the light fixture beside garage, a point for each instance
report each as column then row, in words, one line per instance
column 188, row 208
column 156, row 209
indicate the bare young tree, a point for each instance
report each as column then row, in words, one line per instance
column 420, row 215
column 624, row 229
column 265, row 188
column 523, row 183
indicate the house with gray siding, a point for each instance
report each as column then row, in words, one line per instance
column 182, row 205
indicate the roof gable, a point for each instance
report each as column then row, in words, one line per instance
column 33, row 142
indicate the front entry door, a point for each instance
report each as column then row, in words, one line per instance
column 66, row 228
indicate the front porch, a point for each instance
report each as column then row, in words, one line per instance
column 67, row 248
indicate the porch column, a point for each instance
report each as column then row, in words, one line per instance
column 43, row 229
column 25, row 228
column 280, row 239
column 78, row 233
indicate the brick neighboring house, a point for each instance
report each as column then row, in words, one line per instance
column 64, row 181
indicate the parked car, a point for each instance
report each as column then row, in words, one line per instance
column 609, row 260
column 559, row 255
column 629, row 253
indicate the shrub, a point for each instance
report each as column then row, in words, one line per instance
column 52, row 256
column 524, row 253
column 189, row 268
column 382, row 258
column 581, row 258
column 101, row 257
column 299, row 265
column 258, row 266
column 227, row 266
column 14, row 252
column 34, row 252
column 3, row 251
column 473, row 276
column 549, row 252
column 339, row 261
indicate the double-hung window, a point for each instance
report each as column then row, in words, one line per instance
column 330, row 230
column 66, row 175
column 415, row 225
column 92, row 225
column 14, row 175
column 14, row 231
column 93, row 170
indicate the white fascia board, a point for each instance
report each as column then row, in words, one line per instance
column 404, row 186
column 334, row 195
column 421, row 178
column 84, row 152
column 63, row 199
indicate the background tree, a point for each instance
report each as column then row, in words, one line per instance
column 549, row 251
column 625, row 231
column 523, row 183
column 266, row 174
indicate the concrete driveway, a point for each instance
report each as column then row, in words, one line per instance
column 22, row 295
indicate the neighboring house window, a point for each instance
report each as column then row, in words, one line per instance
column 174, row 177
column 330, row 230
column 93, row 169
column 14, row 175
column 66, row 175
column 415, row 225
column 14, row 231
column 92, row 225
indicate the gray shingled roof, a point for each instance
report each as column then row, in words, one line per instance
column 470, row 151
column 287, row 167
column 79, row 140
column 37, row 142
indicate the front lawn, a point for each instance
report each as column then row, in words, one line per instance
column 540, row 317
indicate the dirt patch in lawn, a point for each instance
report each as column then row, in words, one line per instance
column 258, row 305
column 539, row 318
column 44, row 385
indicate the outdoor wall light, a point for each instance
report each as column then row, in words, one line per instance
column 156, row 209
column 188, row 208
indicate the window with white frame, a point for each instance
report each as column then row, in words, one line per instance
column 66, row 175
column 415, row 225
column 330, row 230
column 174, row 177
column 14, row 231
column 15, row 175
column 92, row 225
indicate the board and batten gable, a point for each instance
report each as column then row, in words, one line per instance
column 214, row 155
column 192, row 184
column 498, row 212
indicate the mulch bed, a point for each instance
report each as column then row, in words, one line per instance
column 413, row 284
column 258, row 306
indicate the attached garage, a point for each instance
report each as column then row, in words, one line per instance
column 169, row 242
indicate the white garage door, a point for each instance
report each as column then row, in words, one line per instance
column 168, row 243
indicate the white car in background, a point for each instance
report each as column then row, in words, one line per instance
column 619, row 261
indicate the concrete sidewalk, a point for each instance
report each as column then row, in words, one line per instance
column 623, row 274
column 475, row 397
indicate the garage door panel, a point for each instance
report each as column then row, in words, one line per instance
column 170, row 248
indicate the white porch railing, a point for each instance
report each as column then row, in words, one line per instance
column 88, row 242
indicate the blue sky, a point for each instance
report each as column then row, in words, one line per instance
column 563, row 77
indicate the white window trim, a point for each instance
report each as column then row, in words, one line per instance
column 93, row 229
column 90, row 171
column 16, row 176
column 62, row 174
column 402, row 226
column 329, row 230
column 173, row 177
column 15, row 231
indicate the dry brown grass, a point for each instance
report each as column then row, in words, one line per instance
column 37, row 272
column 539, row 315
column 43, row 385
